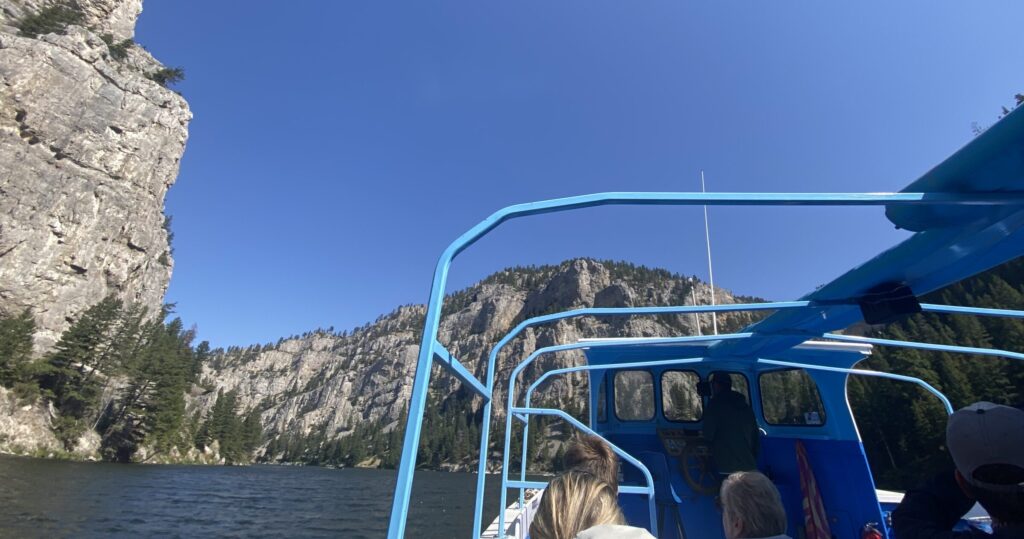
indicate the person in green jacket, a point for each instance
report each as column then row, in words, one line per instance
column 730, row 428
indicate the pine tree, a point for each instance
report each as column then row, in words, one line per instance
column 70, row 374
column 16, row 347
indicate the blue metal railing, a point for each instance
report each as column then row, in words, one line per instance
column 579, row 368
column 430, row 348
column 995, row 352
column 592, row 311
column 648, row 490
column 862, row 372
column 954, row 309
column 571, row 346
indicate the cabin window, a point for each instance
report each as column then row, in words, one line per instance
column 634, row 396
column 790, row 397
column 680, row 400
column 602, row 399
column 739, row 383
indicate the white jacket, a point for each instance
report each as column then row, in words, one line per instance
column 613, row 531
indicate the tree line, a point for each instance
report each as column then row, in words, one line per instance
column 902, row 426
column 123, row 373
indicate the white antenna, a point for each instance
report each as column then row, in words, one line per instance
column 696, row 317
column 711, row 274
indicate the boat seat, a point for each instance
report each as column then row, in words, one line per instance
column 670, row 524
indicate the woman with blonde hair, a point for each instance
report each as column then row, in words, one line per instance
column 578, row 504
column 752, row 507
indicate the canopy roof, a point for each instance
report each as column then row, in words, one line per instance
column 951, row 243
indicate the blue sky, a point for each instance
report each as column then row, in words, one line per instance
column 337, row 147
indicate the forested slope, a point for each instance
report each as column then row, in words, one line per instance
column 902, row 426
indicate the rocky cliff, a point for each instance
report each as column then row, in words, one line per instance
column 326, row 382
column 89, row 145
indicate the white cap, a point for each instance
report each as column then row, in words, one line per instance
column 985, row 433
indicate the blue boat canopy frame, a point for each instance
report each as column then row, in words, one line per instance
column 967, row 215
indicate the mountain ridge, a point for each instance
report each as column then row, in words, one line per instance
column 325, row 384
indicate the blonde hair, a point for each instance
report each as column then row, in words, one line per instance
column 590, row 454
column 573, row 502
column 751, row 499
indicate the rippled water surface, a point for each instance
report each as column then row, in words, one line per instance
column 43, row 498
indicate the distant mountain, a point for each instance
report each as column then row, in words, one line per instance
column 322, row 386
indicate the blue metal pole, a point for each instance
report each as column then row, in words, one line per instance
column 522, row 470
column 417, row 401
column 928, row 346
column 954, row 309
column 485, row 438
column 861, row 372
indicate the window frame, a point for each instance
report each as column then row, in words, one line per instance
column 817, row 391
column 615, row 397
column 661, row 387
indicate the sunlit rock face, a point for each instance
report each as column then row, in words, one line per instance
column 88, row 148
column 328, row 382
column 25, row 427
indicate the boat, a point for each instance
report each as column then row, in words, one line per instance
column 965, row 216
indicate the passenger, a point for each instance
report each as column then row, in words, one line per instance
column 752, row 507
column 730, row 428
column 579, row 505
column 986, row 442
column 592, row 455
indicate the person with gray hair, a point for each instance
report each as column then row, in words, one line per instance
column 752, row 507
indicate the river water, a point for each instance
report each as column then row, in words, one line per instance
column 46, row 498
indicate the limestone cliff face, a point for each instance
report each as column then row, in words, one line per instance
column 25, row 427
column 88, row 148
column 330, row 382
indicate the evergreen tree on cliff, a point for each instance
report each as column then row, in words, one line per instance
column 69, row 377
column 15, row 347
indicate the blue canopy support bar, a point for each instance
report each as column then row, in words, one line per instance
column 994, row 352
column 954, row 309
column 861, row 372
column 427, row 352
column 445, row 358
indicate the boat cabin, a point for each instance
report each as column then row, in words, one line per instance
column 654, row 411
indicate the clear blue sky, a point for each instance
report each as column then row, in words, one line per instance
column 337, row 147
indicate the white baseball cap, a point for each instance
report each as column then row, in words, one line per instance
column 983, row 434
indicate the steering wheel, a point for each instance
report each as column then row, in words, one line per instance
column 697, row 470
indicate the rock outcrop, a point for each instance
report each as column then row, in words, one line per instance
column 329, row 382
column 89, row 146
column 25, row 427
